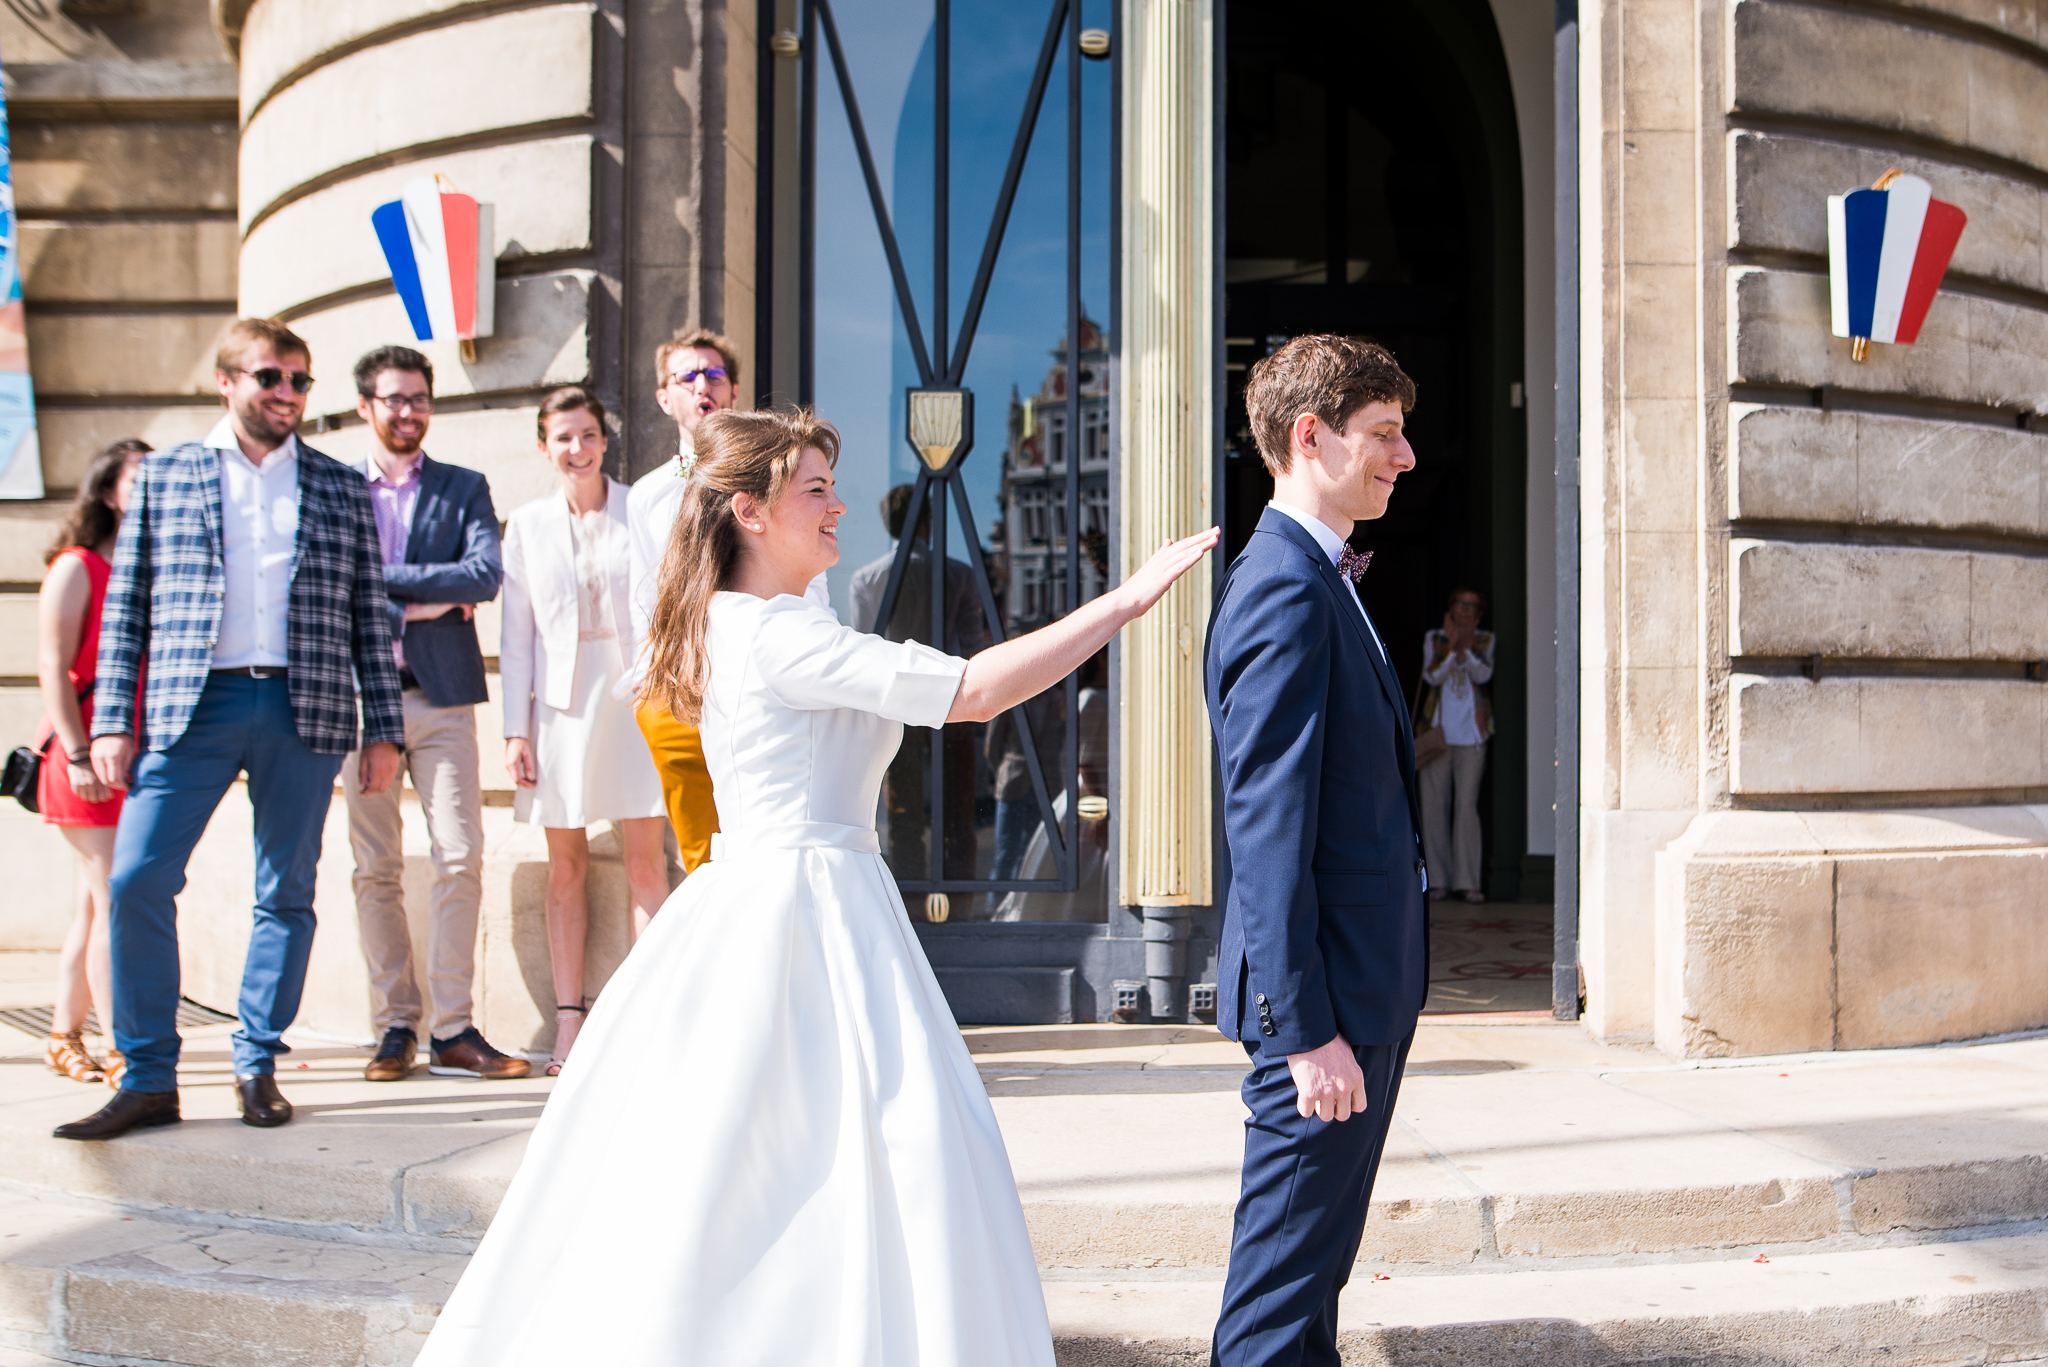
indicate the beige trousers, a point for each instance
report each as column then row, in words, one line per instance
column 1450, row 818
column 441, row 759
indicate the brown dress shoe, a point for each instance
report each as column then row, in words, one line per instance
column 470, row 1055
column 262, row 1104
column 127, row 1111
column 395, row 1056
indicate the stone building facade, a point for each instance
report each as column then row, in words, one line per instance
column 1777, row 700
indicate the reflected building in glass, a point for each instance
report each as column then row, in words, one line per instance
column 1034, row 488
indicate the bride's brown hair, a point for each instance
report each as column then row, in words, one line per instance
column 737, row 453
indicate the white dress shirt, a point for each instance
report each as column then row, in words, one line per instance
column 1333, row 546
column 259, row 532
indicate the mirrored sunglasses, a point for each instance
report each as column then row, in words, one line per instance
column 712, row 373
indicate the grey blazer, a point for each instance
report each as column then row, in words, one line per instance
column 451, row 556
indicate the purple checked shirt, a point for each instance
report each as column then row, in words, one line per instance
column 393, row 502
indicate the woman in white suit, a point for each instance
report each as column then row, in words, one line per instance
column 573, row 749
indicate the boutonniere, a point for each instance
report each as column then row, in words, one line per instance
column 685, row 464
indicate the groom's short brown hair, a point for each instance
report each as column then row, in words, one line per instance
column 1331, row 377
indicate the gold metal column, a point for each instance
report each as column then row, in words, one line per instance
column 1167, row 431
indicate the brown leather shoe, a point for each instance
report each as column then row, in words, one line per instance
column 395, row 1056
column 469, row 1054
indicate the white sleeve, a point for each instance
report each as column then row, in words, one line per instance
column 818, row 592
column 808, row 661
column 643, row 563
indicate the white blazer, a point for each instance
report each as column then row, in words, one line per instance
column 537, row 644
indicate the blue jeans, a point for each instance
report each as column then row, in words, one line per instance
column 1016, row 823
column 239, row 725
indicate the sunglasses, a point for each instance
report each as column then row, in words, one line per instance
column 270, row 377
column 712, row 373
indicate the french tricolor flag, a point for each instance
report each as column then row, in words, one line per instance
column 439, row 246
column 1888, row 248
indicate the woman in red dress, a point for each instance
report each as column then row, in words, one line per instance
column 70, row 795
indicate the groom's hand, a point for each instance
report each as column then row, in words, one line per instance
column 1328, row 1083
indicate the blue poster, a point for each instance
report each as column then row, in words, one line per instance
column 21, row 462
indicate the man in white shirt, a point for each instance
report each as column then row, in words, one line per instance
column 697, row 374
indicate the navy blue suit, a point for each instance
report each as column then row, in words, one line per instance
column 1324, row 927
column 451, row 556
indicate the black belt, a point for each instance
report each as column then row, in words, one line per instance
column 253, row 672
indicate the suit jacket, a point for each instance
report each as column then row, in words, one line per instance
column 164, row 603
column 537, row 645
column 1324, row 922
column 451, row 556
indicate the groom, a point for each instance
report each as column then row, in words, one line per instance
column 1323, row 965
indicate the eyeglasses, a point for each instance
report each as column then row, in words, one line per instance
column 270, row 377
column 400, row 403
column 712, row 373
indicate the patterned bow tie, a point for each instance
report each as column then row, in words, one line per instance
column 1352, row 564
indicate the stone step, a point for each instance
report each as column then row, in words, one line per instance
column 1513, row 1146
column 89, row 1282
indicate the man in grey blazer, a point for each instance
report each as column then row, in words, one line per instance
column 439, row 536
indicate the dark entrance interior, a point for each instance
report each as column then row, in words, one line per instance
column 1373, row 188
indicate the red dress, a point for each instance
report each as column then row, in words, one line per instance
column 61, row 806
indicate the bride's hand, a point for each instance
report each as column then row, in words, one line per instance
column 1168, row 563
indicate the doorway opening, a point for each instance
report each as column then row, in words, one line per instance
column 1373, row 188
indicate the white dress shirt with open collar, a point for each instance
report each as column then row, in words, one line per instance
column 259, row 532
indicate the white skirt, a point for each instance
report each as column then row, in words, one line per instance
column 812, row 1176
column 594, row 763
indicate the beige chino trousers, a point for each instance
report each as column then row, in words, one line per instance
column 1450, row 817
column 441, row 759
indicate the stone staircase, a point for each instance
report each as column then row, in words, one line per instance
column 1544, row 1200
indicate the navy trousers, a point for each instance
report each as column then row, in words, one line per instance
column 240, row 725
column 1300, row 1214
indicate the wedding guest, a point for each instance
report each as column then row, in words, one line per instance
column 1457, row 662
column 69, row 794
column 439, row 536
column 571, row 746
column 249, row 577
column 697, row 374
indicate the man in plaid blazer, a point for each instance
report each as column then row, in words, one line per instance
column 247, row 602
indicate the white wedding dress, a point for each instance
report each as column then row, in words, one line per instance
column 770, row 1145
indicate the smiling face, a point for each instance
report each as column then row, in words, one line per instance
column 1355, row 469
column 574, row 445
column 797, row 536
column 690, row 401
column 266, row 416
column 398, row 409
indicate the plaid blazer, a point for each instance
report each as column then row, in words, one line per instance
column 164, row 602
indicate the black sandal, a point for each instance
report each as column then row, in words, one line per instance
column 560, row 1056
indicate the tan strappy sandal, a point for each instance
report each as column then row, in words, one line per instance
column 116, row 1066
column 65, row 1053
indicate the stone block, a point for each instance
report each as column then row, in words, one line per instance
column 506, row 70
column 26, row 528
column 71, row 437
column 1659, row 601
column 1660, row 750
column 542, row 340
column 1942, row 946
column 1802, row 465
column 71, row 262
column 1927, row 88
column 1778, row 206
column 321, row 244
column 2016, row 18
column 1661, row 445
column 1659, row 179
column 281, row 36
column 37, row 912
column 139, row 167
column 1658, row 67
column 1659, row 351
column 2006, row 594
column 1617, row 920
column 1745, row 955
column 125, row 353
column 18, row 637
column 1974, row 350
column 1794, row 735
column 1882, row 601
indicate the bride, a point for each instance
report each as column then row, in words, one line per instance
column 771, row 1146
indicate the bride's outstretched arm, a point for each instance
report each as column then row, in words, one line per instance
column 1002, row 676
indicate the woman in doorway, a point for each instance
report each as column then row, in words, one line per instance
column 574, row 751
column 69, row 794
column 1457, row 662
column 816, row 1176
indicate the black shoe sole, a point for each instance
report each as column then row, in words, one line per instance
column 151, row 1123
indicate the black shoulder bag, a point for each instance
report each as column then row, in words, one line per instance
column 22, row 777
